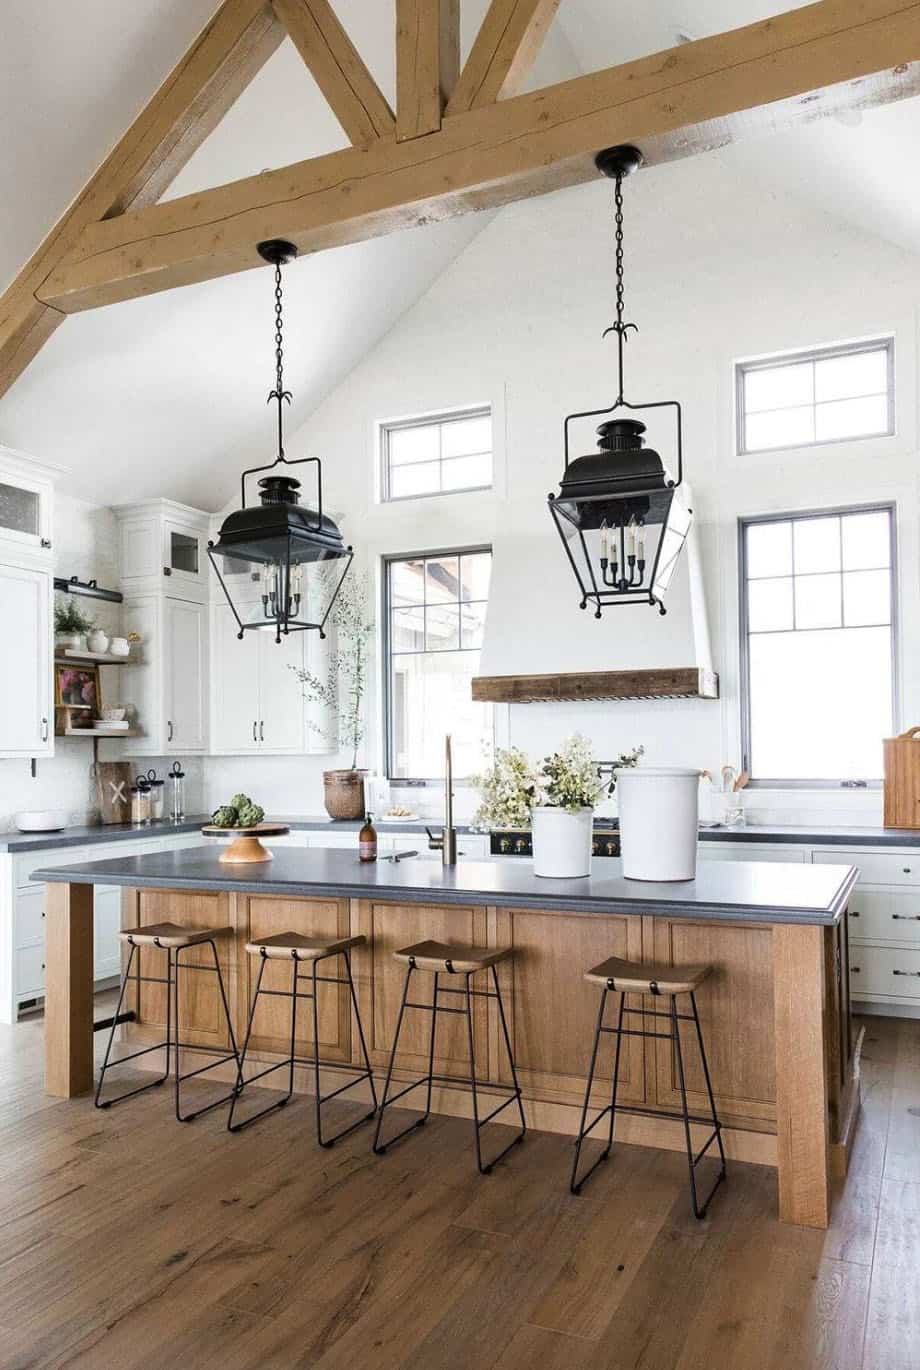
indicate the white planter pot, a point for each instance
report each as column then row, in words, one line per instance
column 98, row 641
column 659, row 820
column 72, row 642
column 562, row 843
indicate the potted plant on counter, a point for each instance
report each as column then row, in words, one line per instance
column 507, row 791
column 341, row 693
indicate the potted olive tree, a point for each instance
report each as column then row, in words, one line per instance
column 342, row 692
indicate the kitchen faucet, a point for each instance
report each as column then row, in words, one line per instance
column 446, row 844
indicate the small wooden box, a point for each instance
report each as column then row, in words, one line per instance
column 902, row 780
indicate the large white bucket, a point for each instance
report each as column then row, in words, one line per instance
column 659, row 818
column 562, row 842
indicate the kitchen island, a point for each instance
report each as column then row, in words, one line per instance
column 775, row 1011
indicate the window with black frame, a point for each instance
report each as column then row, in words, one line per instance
column 435, row 611
column 818, row 642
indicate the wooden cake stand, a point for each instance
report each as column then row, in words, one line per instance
column 246, row 846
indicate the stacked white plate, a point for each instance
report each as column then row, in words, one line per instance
column 102, row 725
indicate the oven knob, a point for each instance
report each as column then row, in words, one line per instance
column 595, row 848
column 520, row 846
column 611, row 848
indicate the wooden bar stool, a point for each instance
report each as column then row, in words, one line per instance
column 443, row 958
column 632, row 977
column 296, row 949
column 174, row 940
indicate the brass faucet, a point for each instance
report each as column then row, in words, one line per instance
column 446, row 844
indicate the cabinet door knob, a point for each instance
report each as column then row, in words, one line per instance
column 46, row 542
column 854, row 913
column 167, row 570
column 905, row 870
column 854, row 970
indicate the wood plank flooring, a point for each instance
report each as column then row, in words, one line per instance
column 130, row 1242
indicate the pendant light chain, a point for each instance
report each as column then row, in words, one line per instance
column 620, row 328
column 279, row 394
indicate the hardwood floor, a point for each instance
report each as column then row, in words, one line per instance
column 130, row 1242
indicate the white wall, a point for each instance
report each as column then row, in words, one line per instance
column 86, row 546
column 716, row 271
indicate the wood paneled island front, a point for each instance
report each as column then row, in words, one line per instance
column 775, row 1011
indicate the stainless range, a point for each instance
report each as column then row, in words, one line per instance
column 518, row 841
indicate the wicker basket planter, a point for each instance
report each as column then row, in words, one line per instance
column 344, row 793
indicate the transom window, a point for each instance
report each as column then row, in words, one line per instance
column 435, row 616
column 831, row 394
column 818, row 645
column 437, row 455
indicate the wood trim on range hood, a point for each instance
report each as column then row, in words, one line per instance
column 679, row 682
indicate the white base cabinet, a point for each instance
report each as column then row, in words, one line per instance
column 26, row 689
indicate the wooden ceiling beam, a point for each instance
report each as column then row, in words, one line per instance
column 427, row 63
column 506, row 47
column 826, row 57
column 336, row 65
column 192, row 100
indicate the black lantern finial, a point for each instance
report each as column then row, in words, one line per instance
column 621, row 523
column 287, row 547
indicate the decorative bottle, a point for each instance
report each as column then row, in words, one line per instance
column 367, row 840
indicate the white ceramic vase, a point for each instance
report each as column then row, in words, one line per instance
column 70, row 642
column 562, row 842
column 98, row 641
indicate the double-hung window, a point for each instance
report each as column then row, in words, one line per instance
column 439, row 455
column 818, row 645
column 828, row 394
column 434, row 615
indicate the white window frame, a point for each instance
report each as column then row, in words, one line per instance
column 776, row 782
column 438, row 419
column 812, row 354
column 386, row 659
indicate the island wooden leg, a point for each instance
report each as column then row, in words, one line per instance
column 802, row 1146
column 69, row 990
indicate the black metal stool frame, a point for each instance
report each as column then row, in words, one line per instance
column 685, row 1116
column 171, row 981
column 292, row 1060
column 434, row 1008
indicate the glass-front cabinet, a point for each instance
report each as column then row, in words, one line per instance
column 25, row 504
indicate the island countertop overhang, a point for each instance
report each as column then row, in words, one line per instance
column 742, row 891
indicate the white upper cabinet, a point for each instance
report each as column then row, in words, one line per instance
column 164, row 546
column 26, row 506
column 166, row 690
column 26, row 682
column 256, row 699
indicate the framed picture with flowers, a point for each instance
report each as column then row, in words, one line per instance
column 77, row 687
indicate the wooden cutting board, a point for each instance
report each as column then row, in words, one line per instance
column 113, row 791
column 902, row 780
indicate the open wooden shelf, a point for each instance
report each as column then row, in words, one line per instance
column 69, row 657
column 118, row 734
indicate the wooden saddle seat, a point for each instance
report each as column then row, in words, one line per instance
column 171, row 935
column 449, row 957
column 647, row 977
column 297, row 946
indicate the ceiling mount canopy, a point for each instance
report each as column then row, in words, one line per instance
column 618, row 513
column 288, row 547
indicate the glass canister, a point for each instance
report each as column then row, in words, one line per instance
column 157, row 799
column 176, row 780
column 140, row 802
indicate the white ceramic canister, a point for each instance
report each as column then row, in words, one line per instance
column 659, row 821
column 562, row 842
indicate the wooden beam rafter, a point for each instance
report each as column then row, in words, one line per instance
column 820, row 59
column 350, row 90
column 427, row 63
column 192, row 100
column 506, row 47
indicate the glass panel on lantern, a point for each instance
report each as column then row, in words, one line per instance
column 675, row 535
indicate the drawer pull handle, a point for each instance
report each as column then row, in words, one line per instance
column 854, row 913
column 906, row 972
column 905, row 870
column 906, row 917
column 854, row 970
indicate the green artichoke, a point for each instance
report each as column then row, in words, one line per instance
column 227, row 816
column 250, row 814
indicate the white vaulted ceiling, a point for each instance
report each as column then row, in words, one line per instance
column 165, row 395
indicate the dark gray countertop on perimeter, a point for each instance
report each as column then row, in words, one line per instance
column 741, row 891
column 81, row 836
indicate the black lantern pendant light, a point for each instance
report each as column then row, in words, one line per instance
column 618, row 513
column 286, row 545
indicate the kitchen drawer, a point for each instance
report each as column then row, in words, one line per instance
column 30, row 917
column 889, row 971
column 24, row 865
column 749, row 851
column 875, row 867
column 30, row 972
column 884, row 916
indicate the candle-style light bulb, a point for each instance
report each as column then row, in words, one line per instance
column 605, row 542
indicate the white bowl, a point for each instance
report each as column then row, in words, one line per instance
column 41, row 820
column 114, row 715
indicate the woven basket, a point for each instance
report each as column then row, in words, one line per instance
column 344, row 793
